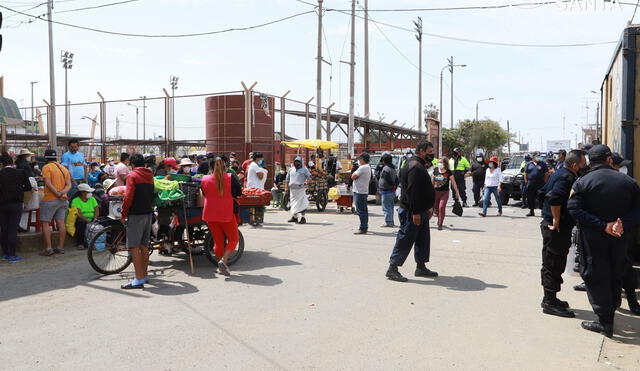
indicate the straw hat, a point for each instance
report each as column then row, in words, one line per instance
column 108, row 183
column 25, row 151
column 185, row 162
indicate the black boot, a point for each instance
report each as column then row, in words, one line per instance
column 423, row 271
column 604, row 329
column 554, row 306
column 394, row 275
column 580, row 287
column 634, row 306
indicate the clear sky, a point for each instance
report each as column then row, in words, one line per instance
column 533, row 87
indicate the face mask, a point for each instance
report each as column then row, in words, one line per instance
column 479, row 159
column 440, row 166
column 281, row 171
column 297, row 166
column 173, row 171
column 235, row 168
column 492, row 165
column 623, row 170
column 36, row 167
column 261, row 162
column 429, row 158
column 186, row 169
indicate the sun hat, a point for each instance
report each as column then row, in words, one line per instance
column 108, row 183
column 185, row 162
column 84, row 187
column 25, row 151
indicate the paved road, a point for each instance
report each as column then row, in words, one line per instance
column 311, row 297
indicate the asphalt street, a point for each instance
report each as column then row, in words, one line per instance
column 312, row 297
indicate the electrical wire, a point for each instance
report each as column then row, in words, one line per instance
column 634, row 12
column 162, row 35
column 495, row 43
column 95, row 6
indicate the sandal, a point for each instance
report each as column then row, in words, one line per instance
column 47, row 252
column 58, row 251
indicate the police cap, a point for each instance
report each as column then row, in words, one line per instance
column 599, row 152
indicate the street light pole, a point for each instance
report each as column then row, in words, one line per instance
column 144, row 117
column 418, row 29
column 173, row 80
column 136, row 107
column 32, row 112
column 477, row 103
column 67, row 62
column 319, row 75
column 441, row 108
column 352, row 88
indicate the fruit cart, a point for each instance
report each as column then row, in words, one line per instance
column 252, row 205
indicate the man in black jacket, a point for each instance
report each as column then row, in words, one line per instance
column 416, row 208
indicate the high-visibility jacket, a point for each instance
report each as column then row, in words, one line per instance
column 463, row 164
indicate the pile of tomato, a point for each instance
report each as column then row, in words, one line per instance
column 255, row 192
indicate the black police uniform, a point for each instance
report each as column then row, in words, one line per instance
column 556, row 244
column 602, row 196
column 535, row 181
column 478, row 173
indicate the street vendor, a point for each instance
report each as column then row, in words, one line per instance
column 295, row 183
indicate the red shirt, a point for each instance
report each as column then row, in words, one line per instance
column 217, row 208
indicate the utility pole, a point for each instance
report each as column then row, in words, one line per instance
column 352, row 87
column 509, row 139
column 366, row 58
column 67, row 62
column 319, row 75
column 598, row 122
column 418, row 29
column 51, row 120
column 451, row 70
column 144, row 117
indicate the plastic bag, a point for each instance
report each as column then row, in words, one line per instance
column 334, row 194
column 70, row 222
column 31, row 198
column 457, row 208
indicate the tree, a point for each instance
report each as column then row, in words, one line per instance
column 451, row 138
column 470, row 135
column 432, row 111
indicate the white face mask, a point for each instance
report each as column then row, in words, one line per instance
column 440, row 166
column 623, row 170
column 186, row 169
column 282, row 171
column 173, row 171
column 492, row 165
column 479, row 159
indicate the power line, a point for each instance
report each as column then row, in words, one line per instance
column 162, row 35
column 95, row 6
column 495, row 43
column 634, row 11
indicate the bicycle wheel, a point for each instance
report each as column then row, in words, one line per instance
column 321, row 201
column 233, row 258
column 107, row 252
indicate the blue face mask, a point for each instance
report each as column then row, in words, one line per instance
column 261, row 162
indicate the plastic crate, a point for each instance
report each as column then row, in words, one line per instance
column 252, row 200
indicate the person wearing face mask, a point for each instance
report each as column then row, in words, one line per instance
column 562, row 156
column 22, row 162
column 297, row 178
column 629, row 280
column 492, row 180
column 94, row 174
column 416, row 208
column 556, row 229
column 110, row 167
column 278, row 184
column 605, row 204
column 185, row 166
column 535, row 175
column 478, row 171
column 441, row 178
column 361, row 179
column 256, row 175
column 460, row 166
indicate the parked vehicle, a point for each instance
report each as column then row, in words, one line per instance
column 396, row 160
column 512, row 180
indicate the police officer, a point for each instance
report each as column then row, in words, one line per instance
column 556, row 233
column 562, row 155
column 523, row 184
column 535, row 175
column 416, row 208
column 629, row 279
column 460, row 167
column 478, row 172
column 604, row 203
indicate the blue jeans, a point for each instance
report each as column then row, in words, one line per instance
column 360, row 200
column 487, row 197
column 410, row 236
column 388, row 203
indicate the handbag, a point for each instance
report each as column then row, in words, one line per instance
column 457, row 208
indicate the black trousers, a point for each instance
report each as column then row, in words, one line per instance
column 555, row 248
column 603, row 259
column 81, row 227
column 629, row 279
column 410, row 236
column 458, row 175
column 532, row 195
column 477, row 190
column 10, row 214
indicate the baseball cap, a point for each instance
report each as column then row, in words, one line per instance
column 50, row 154
column 619, row 160
column 599, row 152
column 536, row 154
column 170, row 161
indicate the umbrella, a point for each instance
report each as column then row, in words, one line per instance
column 312, row 144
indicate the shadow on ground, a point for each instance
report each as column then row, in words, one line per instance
column 459, row 283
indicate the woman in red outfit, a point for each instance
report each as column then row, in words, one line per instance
column 219, row 189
